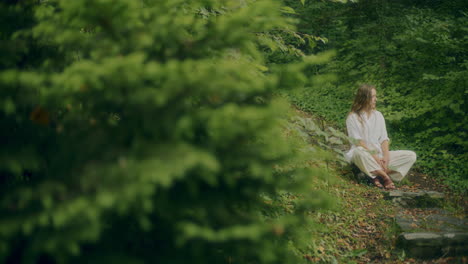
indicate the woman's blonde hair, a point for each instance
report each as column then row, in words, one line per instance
column 363, row 98
column 362, row 101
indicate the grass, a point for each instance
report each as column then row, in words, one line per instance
column 361, row 230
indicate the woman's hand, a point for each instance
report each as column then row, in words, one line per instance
column 379, row 161
column 386, row 156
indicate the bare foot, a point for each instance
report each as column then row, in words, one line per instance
column 388, row 184
column 377, row 183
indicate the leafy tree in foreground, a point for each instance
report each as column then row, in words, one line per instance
column 141, row 131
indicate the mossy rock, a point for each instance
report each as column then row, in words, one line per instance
column 418, row 199
column 432, row 233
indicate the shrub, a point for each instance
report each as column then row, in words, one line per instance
column 142, row 131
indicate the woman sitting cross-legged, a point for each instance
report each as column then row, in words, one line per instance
column 370, row 148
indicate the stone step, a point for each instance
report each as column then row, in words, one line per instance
column 432, row 233
column 431, row 245
column 420, row 199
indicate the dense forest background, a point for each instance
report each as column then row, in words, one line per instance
column 154, row 131
column 416, row 53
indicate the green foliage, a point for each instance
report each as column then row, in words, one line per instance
column 416, row 55
column 321, row 101
column 286, row 44
column 146, row 128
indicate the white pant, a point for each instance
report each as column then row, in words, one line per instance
column 400, row 162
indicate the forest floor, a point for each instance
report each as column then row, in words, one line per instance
column 363, row 228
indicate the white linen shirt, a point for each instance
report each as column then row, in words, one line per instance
column 372, row 131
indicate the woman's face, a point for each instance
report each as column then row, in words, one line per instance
column 373, row 98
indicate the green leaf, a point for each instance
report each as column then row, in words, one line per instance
column 288, row 10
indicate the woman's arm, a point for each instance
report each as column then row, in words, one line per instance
column 383, row 139
column 375, row 156
column 386, row 154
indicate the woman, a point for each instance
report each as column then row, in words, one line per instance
column 369, row 150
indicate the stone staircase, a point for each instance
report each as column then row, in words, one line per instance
column 427, row 231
